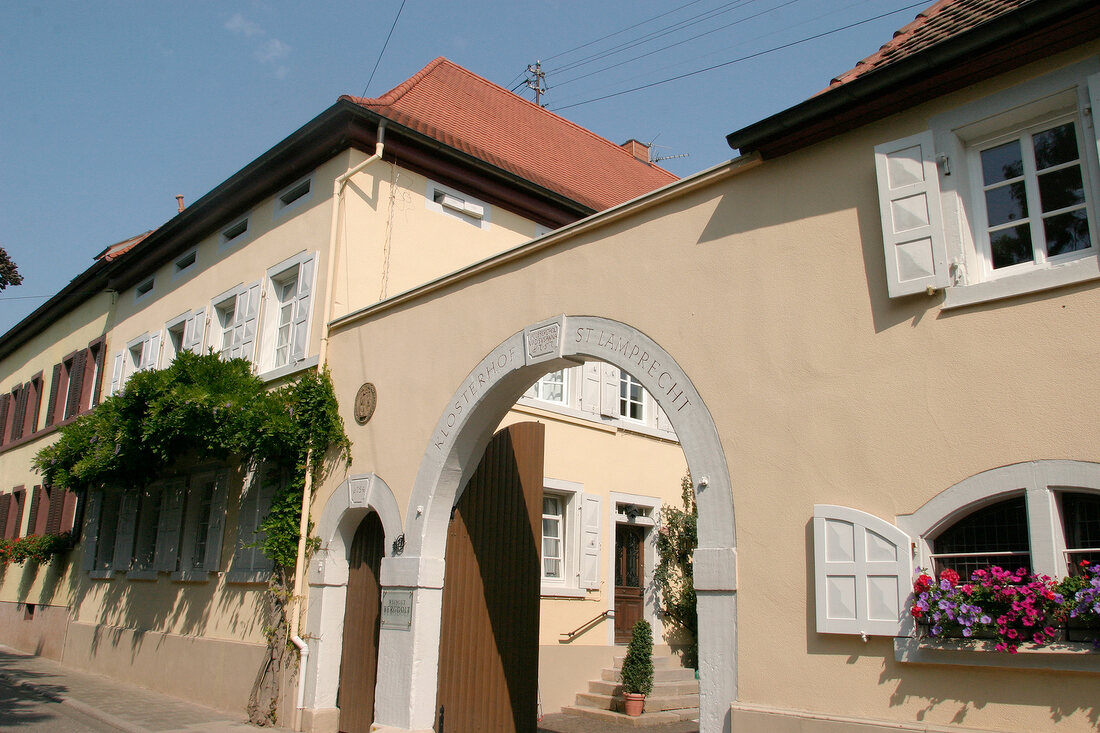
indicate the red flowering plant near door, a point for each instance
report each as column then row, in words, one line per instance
column 1012, row 607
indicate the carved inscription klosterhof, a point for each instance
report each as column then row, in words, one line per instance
column 667, row 382
column 505, row 359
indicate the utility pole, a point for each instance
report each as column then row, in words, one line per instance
column 535, row 81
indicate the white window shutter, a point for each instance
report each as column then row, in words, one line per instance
column 609, row 391
column 1094, row 103
column 244, row 319
column 663, row 423
column 862, row 570
column 91, row 527
column 216, row 527
column 193, row 331
column 589, row 576
column 150, row 355
column 168, row 527
column 116, row 375
column 124, row 537
column 912, row 226
column 299, row 344
column 590, row 386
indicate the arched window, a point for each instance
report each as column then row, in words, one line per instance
column 996, row 534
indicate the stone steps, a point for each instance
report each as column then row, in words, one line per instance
column 675, row 695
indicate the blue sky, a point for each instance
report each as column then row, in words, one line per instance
column 110, row 109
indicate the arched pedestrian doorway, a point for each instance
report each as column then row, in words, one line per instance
column 406, row 701
column 362, row 614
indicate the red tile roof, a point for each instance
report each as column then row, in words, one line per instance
column 120, row 248
column 464, row 111
column 934, row 24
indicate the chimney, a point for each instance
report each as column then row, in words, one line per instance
column 638, row 149
column 179, row 202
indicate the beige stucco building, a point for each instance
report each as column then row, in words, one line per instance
column 870, row 331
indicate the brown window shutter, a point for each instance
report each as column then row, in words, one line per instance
column 34, row 404
column 62, row 510
column 51, row 405
column 5, row 510
column 5, row 403
column 93, row 375
column 19, row 397
column 40, row 511
column 19, row 500
column 76, row 384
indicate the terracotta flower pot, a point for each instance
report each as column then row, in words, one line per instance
column 634, row 703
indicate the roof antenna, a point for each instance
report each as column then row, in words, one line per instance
column 535, row 81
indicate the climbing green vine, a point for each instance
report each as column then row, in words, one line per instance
column 202, row 407
column 676, row 543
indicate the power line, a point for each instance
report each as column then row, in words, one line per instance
column 624, row 30
column 742, row 58
column 369, row 80
column 677, row 43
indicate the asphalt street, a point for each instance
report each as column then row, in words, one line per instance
column 24, row 711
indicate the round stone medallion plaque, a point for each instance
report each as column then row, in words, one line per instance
column 366, row 399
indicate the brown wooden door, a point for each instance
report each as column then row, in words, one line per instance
column 488, row 650
column 629, row 579
column 362, row 614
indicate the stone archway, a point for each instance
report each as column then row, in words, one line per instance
column 405, row 697
column 327, row 579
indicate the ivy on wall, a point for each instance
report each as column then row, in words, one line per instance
column 204, row 407
column 676, row 541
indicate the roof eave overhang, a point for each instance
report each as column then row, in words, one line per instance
column 1029, row 33
column 343, row 125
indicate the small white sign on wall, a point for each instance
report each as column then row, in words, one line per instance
column 397, row 609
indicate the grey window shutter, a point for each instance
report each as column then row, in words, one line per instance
column 216, row 528
column 116, row 375
column 124, row 537
column 193, row 331
column 150, row 355
column 244, row 335
column 1094, row 102
column 589, row 576
column 912, row 226
column 168, row 526
column 76, row 384
column 862, row 570
column 590, row 387
column 609, row 391
column 91, row 528
column 244, row 554
column 302, row 302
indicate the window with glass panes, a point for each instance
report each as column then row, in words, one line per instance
column 553, row 526
column 631, row 397
column 285, row 289
column 1034, row 188
column 551, row 387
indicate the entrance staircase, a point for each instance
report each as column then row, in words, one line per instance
column 675, row 695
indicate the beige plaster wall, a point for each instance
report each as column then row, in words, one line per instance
column 391, row 241
column 769, row 290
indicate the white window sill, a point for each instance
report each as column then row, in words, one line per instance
column 561, row 591
column 248, row 577
column 191, row 576
column 1076, row 271
column 1061, row 656
column 283, row 371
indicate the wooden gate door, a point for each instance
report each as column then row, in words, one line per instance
column 629, row 579
column 488, row 649
column 362, row 614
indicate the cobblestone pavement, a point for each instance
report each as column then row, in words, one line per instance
column 126, row 708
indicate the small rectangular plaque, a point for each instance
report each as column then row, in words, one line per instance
column 397, row 609
column 544, row 340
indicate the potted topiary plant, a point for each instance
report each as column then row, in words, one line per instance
column 637, row 671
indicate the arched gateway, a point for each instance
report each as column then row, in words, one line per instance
column 406, row 691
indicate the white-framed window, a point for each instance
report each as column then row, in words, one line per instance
column 999, row 197
column 249, row 564
column 570, row 539
column 631, row 398
column 186, row 263
column 184, row 333
column 287, row 318
column 235, row 312
column 203, row 524
column 552, row 387
column 234, row 234
column 450, row 201
column 294, row 196
column 144, row 289
column 140, row 353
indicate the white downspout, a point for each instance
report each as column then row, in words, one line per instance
column 338, row 187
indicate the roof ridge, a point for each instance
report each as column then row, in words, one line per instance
column 400, row 90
